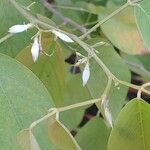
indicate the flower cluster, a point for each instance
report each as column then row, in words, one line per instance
column 86, row 71
column 36, row 46
column 35, row 50
column 86, row 74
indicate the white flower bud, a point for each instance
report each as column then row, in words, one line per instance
column 86, row 74
column 19, row 28
column 107, row 112
column 63, row 36
column 35, row 50
column 108, row 116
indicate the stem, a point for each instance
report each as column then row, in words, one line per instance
column 129, row 84
column 142, row 88
column 61, row 109
column 107, row 89
column 105, row 19
column 42, row 119
column 53, row 111
column 133, row 86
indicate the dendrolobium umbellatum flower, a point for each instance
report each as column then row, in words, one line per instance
column 86, row 74
column 62, row 36
column 35, row 50
column 20, row 28
column 107, row 113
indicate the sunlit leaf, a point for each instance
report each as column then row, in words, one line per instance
column 122, row 31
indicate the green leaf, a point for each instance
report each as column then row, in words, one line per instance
column 61, row 136
column 122, row 31
column 23, row 99
column 93, row 135
column 131, row 130
column 142, row 13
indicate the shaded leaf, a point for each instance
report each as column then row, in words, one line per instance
column 93, row 135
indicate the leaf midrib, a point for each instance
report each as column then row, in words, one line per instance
column 141, row 124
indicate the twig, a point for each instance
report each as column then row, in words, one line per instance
column 73, row 106
column 142, row 88
column 65, row 19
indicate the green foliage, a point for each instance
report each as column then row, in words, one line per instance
column 42, row 101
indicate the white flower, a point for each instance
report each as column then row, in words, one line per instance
column 86, row 74
column 19, row 28
column 35, row 50
column 63, row 36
